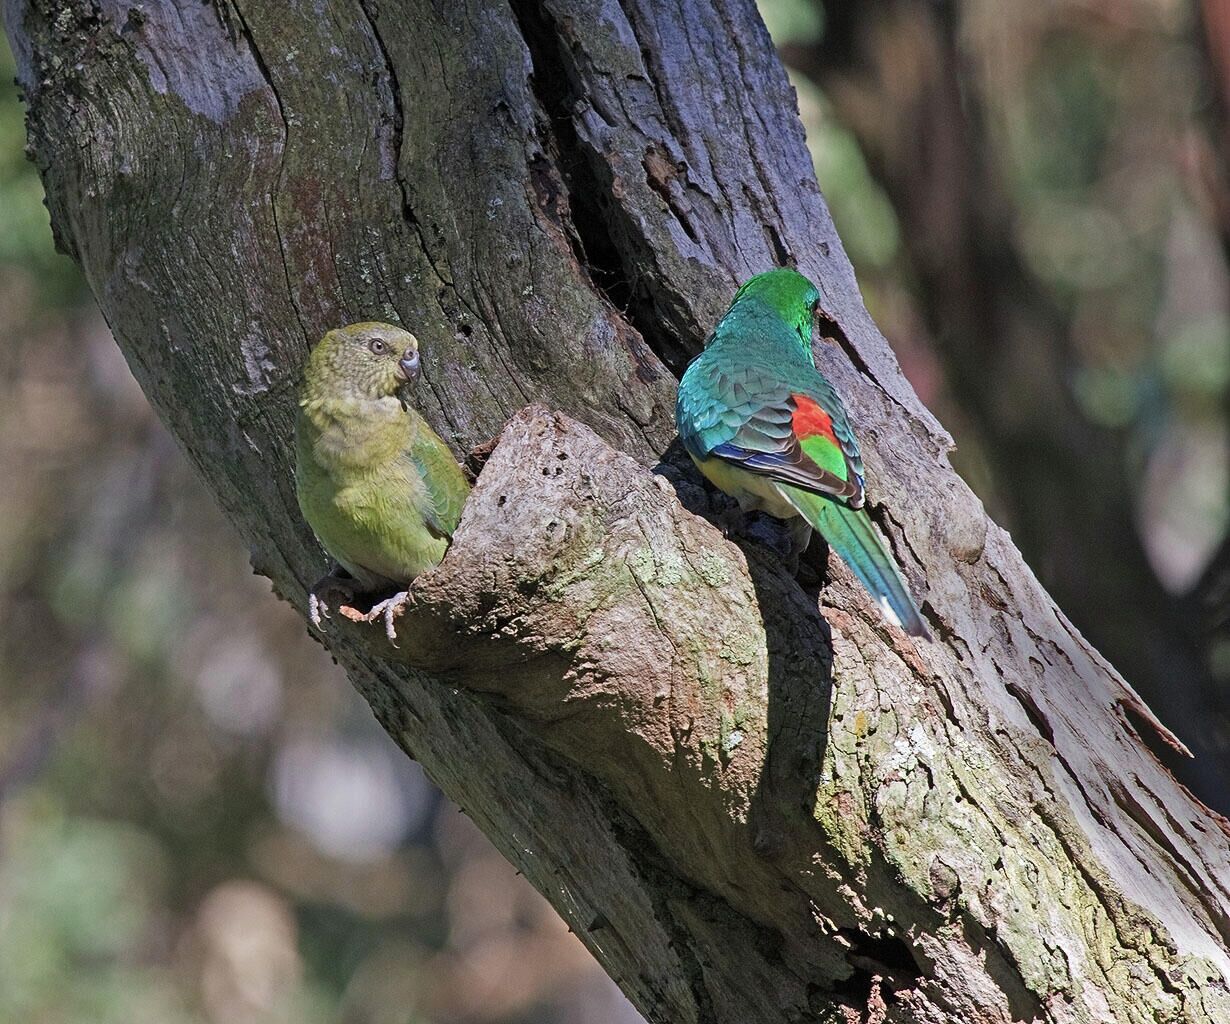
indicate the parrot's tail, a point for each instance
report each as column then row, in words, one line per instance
column 849, row 532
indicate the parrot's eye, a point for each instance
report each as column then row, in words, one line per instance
column 377, row 346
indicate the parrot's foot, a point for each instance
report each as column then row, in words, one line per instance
column 731, row 521
column 331, row 591
column 388, row 610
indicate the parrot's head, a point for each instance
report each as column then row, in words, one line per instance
column 367, row 361
column 789, row 294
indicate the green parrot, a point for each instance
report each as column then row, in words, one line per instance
column 765, row 426
column 376, row 484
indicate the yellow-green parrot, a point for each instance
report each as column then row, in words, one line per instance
column 376, row 484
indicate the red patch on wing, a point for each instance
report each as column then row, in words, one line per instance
column 810, row 419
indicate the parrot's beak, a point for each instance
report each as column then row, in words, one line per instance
column 408, row 366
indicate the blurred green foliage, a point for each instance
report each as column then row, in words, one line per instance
column 76, row 897
column 793, row 21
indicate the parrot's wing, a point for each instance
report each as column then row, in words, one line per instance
column 793, row 431
column 446, row 484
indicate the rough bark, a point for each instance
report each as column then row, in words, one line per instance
column 753, row 805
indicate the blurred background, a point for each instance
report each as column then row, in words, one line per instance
column 199, row 819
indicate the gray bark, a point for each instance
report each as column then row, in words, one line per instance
column 751, row 804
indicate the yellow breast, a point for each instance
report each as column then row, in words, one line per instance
column 753, row 491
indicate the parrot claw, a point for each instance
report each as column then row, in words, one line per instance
column 731, row 521
column 388, row 610
column 333, row 593
column 324, row 592
column 317, row 610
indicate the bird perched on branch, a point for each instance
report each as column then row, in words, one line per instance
column 379, row 488
column 765, row 426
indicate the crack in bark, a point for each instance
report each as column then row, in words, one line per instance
column 585, row 218
column 831, row 329
column 245, row 32
column 397, row 142
column 1136, row 810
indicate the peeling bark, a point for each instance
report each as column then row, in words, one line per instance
column 752, row 801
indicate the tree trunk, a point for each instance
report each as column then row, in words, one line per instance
column 752, row 805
